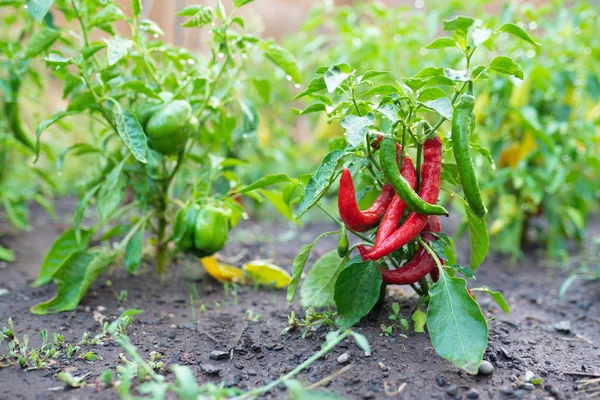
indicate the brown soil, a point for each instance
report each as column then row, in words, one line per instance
column 525, row 340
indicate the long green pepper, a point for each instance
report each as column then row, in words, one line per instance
column 463, row 122
column 389, row 165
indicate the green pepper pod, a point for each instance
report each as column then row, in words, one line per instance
column 389, row 165
column 463, row 121
column 343, row 243
column 211, row 230
column 169, row 128
column 184, row 227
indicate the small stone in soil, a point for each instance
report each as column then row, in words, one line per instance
column 452, row 390
column 528, row 386
column 486, row 368
column 563, row 326
column 218, row 355
column 211, row 369
column 441, row 381
column 343, row 359
column 251, row 372
column 472, row 394
column 508, row 390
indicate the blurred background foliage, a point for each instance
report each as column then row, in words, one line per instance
column 540, row 176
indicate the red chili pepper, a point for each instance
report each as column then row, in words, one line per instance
column 395, row 211
column 421, row 264
column 429, row 192
column 352, row 216
column 364, row 251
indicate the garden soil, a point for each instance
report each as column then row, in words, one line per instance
column 555, row 340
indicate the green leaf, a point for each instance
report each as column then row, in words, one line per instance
column 108, row 15
column 357, row 128
column 220, row 11
column 497, row 296
column 442, row 43
column 283, row 58
column 117, row 48
column 456, row 326
column 319, row 285
column 92, row 49
column 265, row 181
column 136, row 8
column 73, row 280
column 82, row 204
column 276, row 198
column 133, row 251
column 357, row 290
column 62, row 248
column 40, row 41
column 200, row 16
column 45, row 125
column 239, row 3
column 130, row 131
column 478, row 234
column 299, row 264
column 442, row 106
column 57, row 60
column 371, row 74
column 419, row 320
column 480, row 36
column 7, row 255
column 39, row 8
column 507, row 66
column 186, row 385
column 429, row 72
column 458, row 23
column 385, row 89
column 319, row 181
column 457, row 75
column 311, row 108
column 315, row 85
column 111, row 193
column 334, row 77
column 518, row 32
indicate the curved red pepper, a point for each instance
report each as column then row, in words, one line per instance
column 429, row 191
column 352, row 216
column 395, row 211
column 421, row 264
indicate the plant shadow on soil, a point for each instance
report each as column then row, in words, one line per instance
column 525, row 340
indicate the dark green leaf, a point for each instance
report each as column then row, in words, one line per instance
column 133, row 251
column 507, row 66
column 62, row 248
column 319, row 181
column 429, row 72
column 92, row 49
column 316, row 85
column 40, row 41
column 357, row 290
column 111, row 193
column 518, row 32
column 319, row 285
column 478, row 233
column 130, row 131
column 311, row 108
column 456, row 326
column 82, row 204
column 356, row 128
column 459, row 23
column 39, row 8
column 108, row 15
column 45, row 125
column 283, row 58
column 265, row 181
column 382, row 90
column 73, row 279
column 371, row 74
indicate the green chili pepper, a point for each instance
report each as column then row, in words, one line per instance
column 463, row 123
column 343, row 243
column 389, row 165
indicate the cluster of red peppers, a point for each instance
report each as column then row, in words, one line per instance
column 392, row 203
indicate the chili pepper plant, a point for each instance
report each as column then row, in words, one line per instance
column 166, row 124
column 20, row 183
column 404, row 142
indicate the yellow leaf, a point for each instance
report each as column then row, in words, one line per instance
column 265, row 273
column 222, row 272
